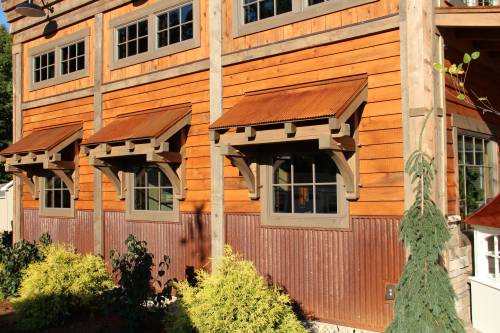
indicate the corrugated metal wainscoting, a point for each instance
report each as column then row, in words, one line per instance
column 187, row 242
column 78, row 231
column 335, row 276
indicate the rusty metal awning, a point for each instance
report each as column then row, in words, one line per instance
column 151, row 124
column 42, row 140
column 317, row 100
column 488, row 215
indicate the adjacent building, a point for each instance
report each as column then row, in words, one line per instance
column 280, row 127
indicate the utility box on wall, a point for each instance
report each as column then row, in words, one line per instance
column 6, row 206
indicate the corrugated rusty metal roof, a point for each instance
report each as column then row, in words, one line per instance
column 42, row 139
column 316, row 100
column 488, row 215
column 141, row 125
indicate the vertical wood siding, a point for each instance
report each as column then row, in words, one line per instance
column 77, row 232
column 335, row 276
column 187, row 243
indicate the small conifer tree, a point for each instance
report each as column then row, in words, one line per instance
column 425, row 300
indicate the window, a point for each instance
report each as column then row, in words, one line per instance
column 160, row 29
column 73, row 57
column 56, row 194
column 175, row 25
column 493, row 256
column 255, row 10
column 474, row 3
column 474, row 173
column 59, row 61
column 44, row 67
column 257, row 15
column 153, row 191
column 132, row 39
column 304, row 185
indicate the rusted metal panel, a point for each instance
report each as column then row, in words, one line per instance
column 141, row 125
column 488, row 215
column 77, row 232
column 187, row 242
column 316, row 100
column 42, row 139
column 334, row 276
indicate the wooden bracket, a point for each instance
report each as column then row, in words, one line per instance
column 175, row 180
column 68, row 181
column 238, row 160
column 112, row 175
column 350, row 182
column 31, row 182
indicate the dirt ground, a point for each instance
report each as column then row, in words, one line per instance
column 111, row 324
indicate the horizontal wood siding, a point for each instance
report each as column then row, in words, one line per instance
column 80, row 110
column 381, row 139
column 169, row 61
column 334, row 276
column 187, row 242
column 192, row 89
column 318, row 24
column 77, row 232
column 63, row 88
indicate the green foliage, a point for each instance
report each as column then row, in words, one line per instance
column 14, row 259
column 425, row 300
column 63, row 284
column 233, row 299
column 135, row 282
column 5, row 245
column 5, row 94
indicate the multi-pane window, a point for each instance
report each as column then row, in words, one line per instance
column 473, row 3
column 256, row 10
column 152, row 191
column 132, row 39
column 44, row 66
column 175, row 25
column 305, row 184
column 57, row 194
column 493, row 256
column 73, row 57
column 474, row 169
column 314, row 2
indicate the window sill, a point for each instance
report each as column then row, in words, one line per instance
column 60, row 80
column 57, row 212
column 306, row 221
column 307, row 12
column 151, row 216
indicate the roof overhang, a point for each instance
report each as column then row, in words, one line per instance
column 488, row 215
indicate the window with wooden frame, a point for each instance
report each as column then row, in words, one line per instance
column 158, row 30
column 252, row 16
column 59, row 61
column 56, row 199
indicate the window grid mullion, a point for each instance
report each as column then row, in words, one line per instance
column 314, row 186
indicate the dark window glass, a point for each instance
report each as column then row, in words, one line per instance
column 57, row 194
column 143, row 28
column 132, row 39
column 302, row 170
column 132, row 31
column 122, row 51
column 314, row 2
column 132, row 47
column 163, row 22
column 266, row 8
column 255, row 10
column 283, row 6
column 152, row 191
column 73, row 58
column 282, row 199
column 173, row 18
column 250, row 13
column 122, row 35
column 174, row 35
column 187, row 13
column 37, row 62
column 143, row 45
column 175, row 26
column 187, row 31
column 326, row 199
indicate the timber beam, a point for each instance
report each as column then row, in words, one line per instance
column 238, row 160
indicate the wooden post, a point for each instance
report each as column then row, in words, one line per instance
column 216, row 110
column 98, row 209
column 17, row 120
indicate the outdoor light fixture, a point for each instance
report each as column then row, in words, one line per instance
column 29, row 9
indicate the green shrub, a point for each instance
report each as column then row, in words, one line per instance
column 133, row 271
column 233, row 299
column 63, row 284
column 14, row 259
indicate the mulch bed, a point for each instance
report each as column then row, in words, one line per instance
column 108, row 324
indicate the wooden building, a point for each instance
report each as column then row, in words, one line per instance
column 278, row 127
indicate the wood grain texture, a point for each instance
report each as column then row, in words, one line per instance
column 380, row 130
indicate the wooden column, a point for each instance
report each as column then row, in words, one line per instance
column 216, row 110
column 17, row 121
column 98, row 210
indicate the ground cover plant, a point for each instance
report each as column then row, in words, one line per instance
column 234, row 298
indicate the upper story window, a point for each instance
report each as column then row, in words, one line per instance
column 255, row 10
column 252, row 16
column 132, row 39
column 160, row 29
column 475, row 3
column 475, row 172
column 44, row 67
column 304, row 184
column 73, row 57
column 152, row 191
column 59, row 61
column 175, row 25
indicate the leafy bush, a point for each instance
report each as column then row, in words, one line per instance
column 5, row 244
column 61, row 285
column 133, row 270
column 233, row 299
column 14, row 259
